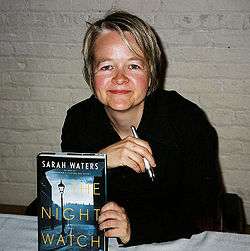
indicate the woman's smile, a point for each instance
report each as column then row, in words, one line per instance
column 119, row 92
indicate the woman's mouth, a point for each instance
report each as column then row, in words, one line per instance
column 119, row 91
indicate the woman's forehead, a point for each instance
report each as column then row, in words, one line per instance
column 113, row 40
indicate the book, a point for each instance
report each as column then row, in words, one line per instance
column 71, row 189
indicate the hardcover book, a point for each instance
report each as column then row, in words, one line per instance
column 71, row 191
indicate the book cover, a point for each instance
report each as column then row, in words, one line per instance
column 71, row 191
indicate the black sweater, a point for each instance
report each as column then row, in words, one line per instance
column 184, row 146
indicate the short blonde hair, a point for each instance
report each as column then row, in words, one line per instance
column 121, row 22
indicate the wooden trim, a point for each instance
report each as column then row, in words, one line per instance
column 12, row 209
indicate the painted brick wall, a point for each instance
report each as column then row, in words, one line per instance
column 208, row 48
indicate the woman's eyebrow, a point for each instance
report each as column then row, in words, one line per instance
column 136, row 59
column 101, row 60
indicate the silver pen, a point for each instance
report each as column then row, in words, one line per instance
column 146, row 163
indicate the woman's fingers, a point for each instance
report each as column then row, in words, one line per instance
column 112, row 206
column 140, row 142
column 129, row 152
column 144, row 152
column 110, row 214
column 113, row 219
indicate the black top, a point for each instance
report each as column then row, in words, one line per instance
column 184, row 146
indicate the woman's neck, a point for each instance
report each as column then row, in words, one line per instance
column 123, row 120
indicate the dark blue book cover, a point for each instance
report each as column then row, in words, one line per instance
column 71, row 190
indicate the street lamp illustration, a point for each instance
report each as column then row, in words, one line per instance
column 61, row 188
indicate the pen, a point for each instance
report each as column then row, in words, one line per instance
column 146, row 163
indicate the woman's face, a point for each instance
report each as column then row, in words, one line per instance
column 120, row 76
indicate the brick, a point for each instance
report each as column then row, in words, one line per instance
column 13, row 176
column 235, row 162
column 229, row 5
column 11, row 64
column 59, row 95
column 246, row 24
column 47, row 50
column 32, row 108
column 51, row 5
column 230, row 101
column 194, row 85
column 18, row 163
column 7, row 150
column 14, row 93
column 239, row 178
column 6, row 49
column 246, row 147
column 77, row 20
column 185, row 38
column 107, row 5
column 54, row 35
column 204, row 38
column 211, row 55
column 50, row 94
column 30, row 20
column 209, row 70
column 228, row 146
column 3, row 176
column 94, row 16
column 187, row 22
column 86, row 5
column 8, row 35
column 236, row 86
column 31, row 122
column 21, row 5
column 221, row 117
column 31, row 150
column 230, row 39
column 242, row 118
column 40, row 65
column 71, row 81
column 48, row 136
column 211, row 21
column 141, row 6
column 234, row 132
column 21, row 194
column 165, row 21
column 232, row 21
column 184, row 6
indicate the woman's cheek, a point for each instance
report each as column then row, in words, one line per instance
column 99, row 82
column 140, row 80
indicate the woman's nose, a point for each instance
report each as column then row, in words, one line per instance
column 120, row 77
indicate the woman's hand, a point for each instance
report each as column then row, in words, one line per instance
column 129, row 152
column 113, row 219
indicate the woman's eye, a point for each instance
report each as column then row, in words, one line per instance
column 106, row 67
column 134, row 67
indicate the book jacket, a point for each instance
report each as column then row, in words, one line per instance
column 71, row 191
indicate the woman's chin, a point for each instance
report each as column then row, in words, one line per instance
column 119, row 106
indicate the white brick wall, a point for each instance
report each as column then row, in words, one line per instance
column 208, row 47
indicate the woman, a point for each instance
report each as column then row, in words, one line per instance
column 122, row 66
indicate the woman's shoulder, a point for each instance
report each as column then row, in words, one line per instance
column 186, row 118
column 183, row 114
column 174, row 104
